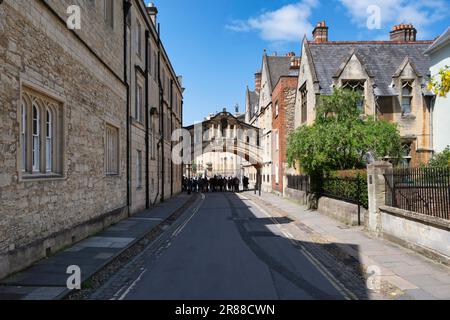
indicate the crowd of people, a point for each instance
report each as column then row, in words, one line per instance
column 214, row 184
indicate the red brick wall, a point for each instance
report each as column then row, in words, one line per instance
column 284, row 94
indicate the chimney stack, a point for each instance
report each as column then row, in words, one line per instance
column 152, row 12
column 295, row 62
column 258, row 76
column 403, row 32
column 320, row 33
column 290, row 54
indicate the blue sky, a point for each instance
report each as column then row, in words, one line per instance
column 217, row 45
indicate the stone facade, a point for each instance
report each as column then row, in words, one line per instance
column 81, row 74
column 224, row 149
column 331, row 64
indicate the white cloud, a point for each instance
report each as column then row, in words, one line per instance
column 420, row 13
column 289, row 23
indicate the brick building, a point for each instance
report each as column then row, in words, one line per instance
column 82, row 114
column 283, row 115
column 260, row 110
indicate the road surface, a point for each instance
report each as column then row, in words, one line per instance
column 229, row 247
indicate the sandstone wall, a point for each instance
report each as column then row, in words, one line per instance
column 37, row 50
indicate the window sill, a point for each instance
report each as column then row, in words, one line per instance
column 35, row 177
column 113, row 175
column 408, row 116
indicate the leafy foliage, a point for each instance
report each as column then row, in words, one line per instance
column 349, row 189
column 341, row 137
column 440, row 84
column 441, row 159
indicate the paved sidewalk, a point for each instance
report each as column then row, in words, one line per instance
column 416, row 276
column 46, row 280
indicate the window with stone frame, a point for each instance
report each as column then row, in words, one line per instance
column 304, row 103
column 139, row 105
column 407, row 96
column 112, row 150
column 277, row 109
column 41, row 135
column 150, row 60
column 138, row 169
column 138, row 38
column 155, row 66
column 358, row 87
column 109, row 12
column 277, row 176
column 405, row 161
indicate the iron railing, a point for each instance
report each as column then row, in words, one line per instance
column 301, row 183
column 423, row 190
column 349, row 189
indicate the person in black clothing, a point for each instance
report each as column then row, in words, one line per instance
column 236, row 184
column 245, row 182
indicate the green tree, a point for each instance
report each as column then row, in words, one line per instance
column 441, row 159
column 341, row 137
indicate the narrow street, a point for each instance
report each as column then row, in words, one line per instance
column 228, row 247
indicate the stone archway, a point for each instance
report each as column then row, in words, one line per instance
column 225, row 133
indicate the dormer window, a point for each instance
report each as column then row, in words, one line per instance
column 407, row 95
column 356, row 86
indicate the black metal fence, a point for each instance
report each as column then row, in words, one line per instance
column 301, row 183
column 423, row 190
column 349, row 189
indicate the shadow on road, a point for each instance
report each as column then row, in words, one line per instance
column 321, row 270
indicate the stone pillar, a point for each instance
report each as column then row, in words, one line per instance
column 376, row 185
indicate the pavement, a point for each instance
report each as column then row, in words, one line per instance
column 46, row 280
column 228, row 248
column 237, row 247
column 415, row 275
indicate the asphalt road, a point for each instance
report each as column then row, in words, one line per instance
column 228, row 247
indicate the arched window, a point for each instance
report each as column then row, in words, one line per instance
column 36, row 137
column 49, row 141
column 407, row 95
column 40, row 136
column 24, row 137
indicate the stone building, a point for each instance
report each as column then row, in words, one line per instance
column 259, row 111
column 391, row 75
column 439, row 53
column 221, row 127
column 80, row 120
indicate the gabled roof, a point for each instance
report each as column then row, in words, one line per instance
column 253, row 100
column 405, row 62
column 441, row 41
column 278, row 66
column 380, row 59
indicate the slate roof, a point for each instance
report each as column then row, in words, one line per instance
column 253, row 100
column 279, row 66
column 442, row 40
column 381, row 60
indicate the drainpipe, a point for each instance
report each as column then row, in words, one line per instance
column 161, row 112
column 126, row 11
column 432, row 104
column 147, row 124
column 171, row 142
